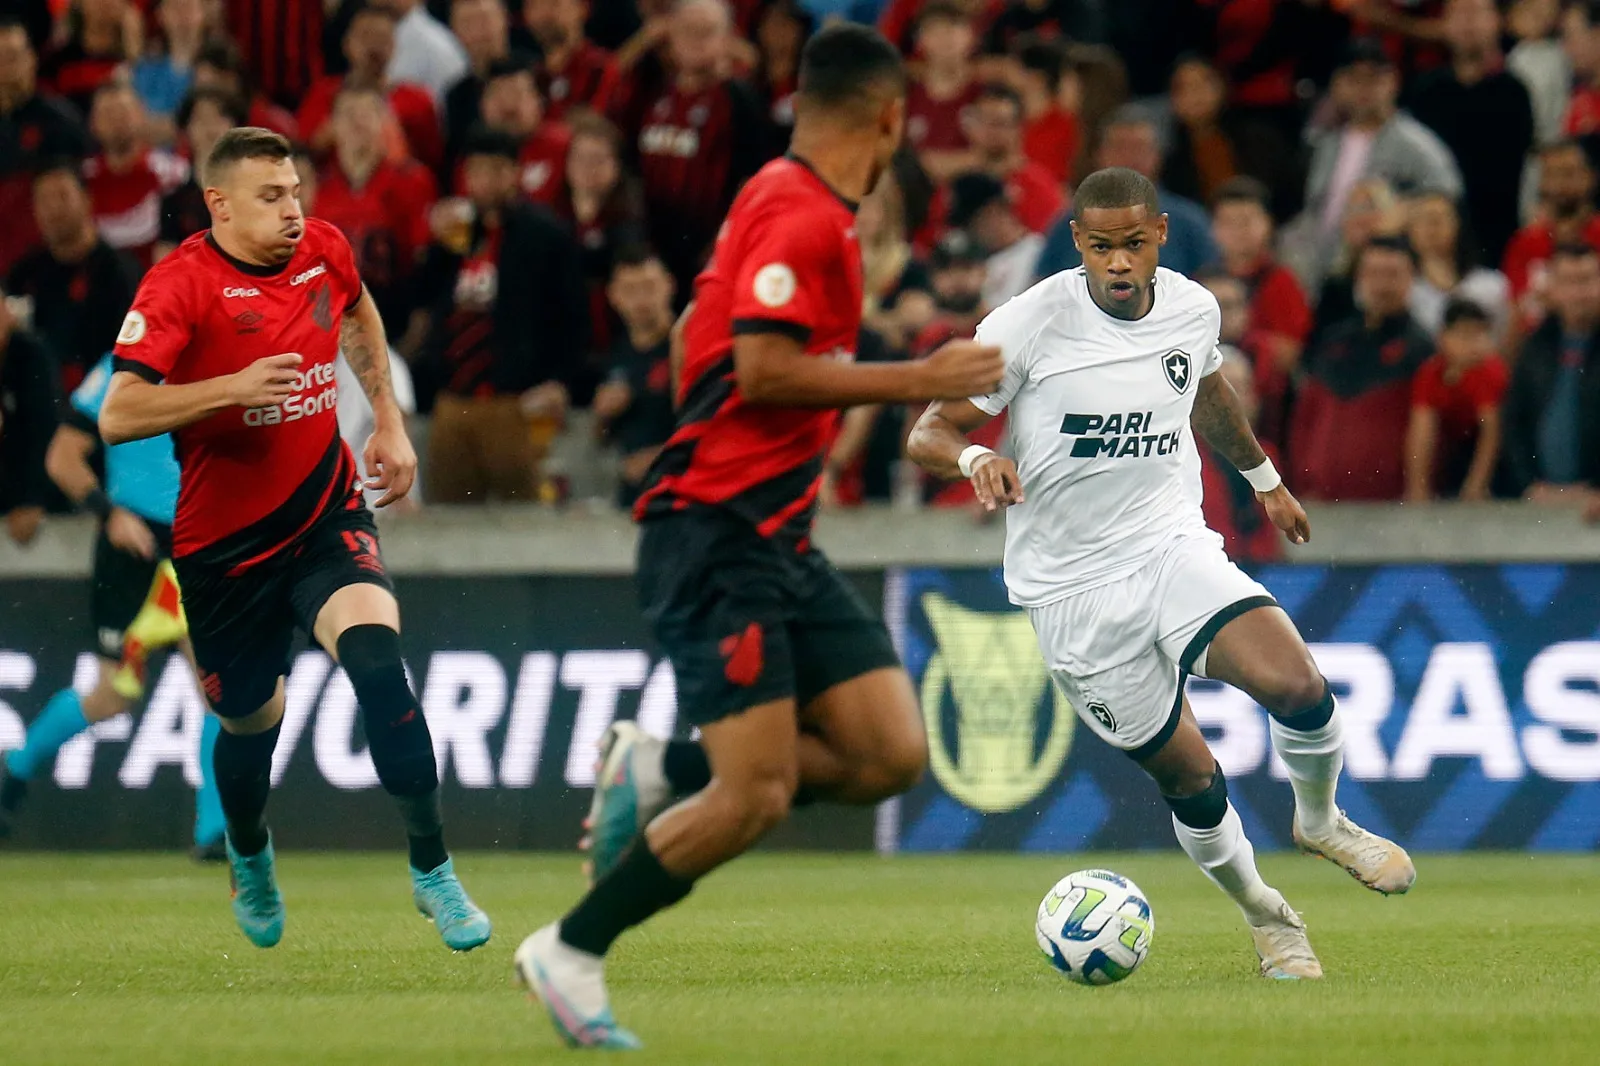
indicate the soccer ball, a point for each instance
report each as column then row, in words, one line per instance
column 1095, row 926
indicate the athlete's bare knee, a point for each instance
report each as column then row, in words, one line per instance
column 1293, row 688
column 899, row 765
column 1181, row 781
column 747, row 810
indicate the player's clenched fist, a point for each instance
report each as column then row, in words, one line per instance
column 995, row 480
column 266, row 381
column 963, row 368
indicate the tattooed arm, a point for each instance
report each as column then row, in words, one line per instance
column 389, row 461
column 366, row 349
column 1219, row 418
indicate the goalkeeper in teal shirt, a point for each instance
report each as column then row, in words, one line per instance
column 134, row 606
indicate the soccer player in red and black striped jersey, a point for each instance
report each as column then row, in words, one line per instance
column 790, row 677
column 230, row 346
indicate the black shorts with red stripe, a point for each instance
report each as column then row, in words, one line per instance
column 244, row 604
column 748, row 619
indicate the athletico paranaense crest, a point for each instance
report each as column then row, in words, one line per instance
column 322, row 312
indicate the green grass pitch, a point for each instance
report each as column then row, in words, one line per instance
column 789, row 959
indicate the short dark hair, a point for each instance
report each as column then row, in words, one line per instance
column 1243, row 190
column 245, row 142
column 222, row 54
column 1388, row 243
column 355, row 88
column 1574, row 250
column 997, row 91
column 509, row 67
column 943, row 11
column 117, row 83
column 373, row 9
column 60, row 164
column 483, row 139
column 1590, row 10
column 1461, row 309
column 232, row 107
column 9, row 23
column 1113, row 188
column 1564, row 144
column 845, row 65
column 1041, row 56
column 634, row 255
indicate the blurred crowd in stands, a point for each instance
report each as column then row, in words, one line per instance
column 1394, row 202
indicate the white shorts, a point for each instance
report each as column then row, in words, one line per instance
column 1121, row 652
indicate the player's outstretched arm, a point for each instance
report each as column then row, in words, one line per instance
column 773, row 368
column 135, row 408
column 1220, row 419
column 389, row 459
column 938, row 443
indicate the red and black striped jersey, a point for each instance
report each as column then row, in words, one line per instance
column 786, row 261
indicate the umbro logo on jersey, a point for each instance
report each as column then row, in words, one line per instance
column 306, row 275
column 1118, row 436
column 1175, row 365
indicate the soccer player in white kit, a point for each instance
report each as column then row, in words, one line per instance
column 1110, row 370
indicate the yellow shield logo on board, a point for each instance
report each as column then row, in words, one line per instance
column 989, row 670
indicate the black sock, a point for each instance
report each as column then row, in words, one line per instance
column 397, row 733
column 686, row 767
column 638, row 887
column 243, row 768
column 424, row 830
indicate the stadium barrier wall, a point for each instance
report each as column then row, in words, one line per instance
column 518, row 677
column 1470, row 696
column 1471, row 690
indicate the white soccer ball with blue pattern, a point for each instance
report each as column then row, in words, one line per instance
column 1095, row 926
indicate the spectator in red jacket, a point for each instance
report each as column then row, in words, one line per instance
column 380, row 204
column 994, row 129
column 512, row 104
column 34, row 126
column 102, row 35
column 602, row 205
column 1453, row 442
column 369, row 48
column 128, row 179
column 1566, row 215
column 1349, row 432
column 942, row 91
column 1052, row 134
column 695, row 138
column 1241, row 223
column 575, row 72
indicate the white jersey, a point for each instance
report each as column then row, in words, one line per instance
column 1099, row 425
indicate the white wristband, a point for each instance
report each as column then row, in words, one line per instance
column 969, row 456
column 1263, row 478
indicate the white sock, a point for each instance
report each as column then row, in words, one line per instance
column 1314, row 760
column 1224, row 854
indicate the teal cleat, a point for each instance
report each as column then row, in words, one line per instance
column 257, row 904
column 629, row 790
column 571, row 985
column 441, row 899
